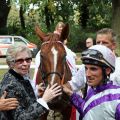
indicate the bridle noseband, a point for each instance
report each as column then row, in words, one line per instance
column 50, row 73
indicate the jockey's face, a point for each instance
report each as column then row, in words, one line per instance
column 93, row 75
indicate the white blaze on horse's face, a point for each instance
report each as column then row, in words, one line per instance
column 55, row 53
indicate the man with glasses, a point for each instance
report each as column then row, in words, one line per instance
column 89, row 42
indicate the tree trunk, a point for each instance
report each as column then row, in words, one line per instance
column 116, row 15
column 116, row 20
column 22, row 17
column 84, row 14
column 4, row 11
column 47, row 17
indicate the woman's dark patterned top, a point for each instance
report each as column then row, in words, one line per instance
column 16, row 86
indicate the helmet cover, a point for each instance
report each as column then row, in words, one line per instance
column 99, row 55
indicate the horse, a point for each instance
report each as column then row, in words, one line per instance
column 54, row 68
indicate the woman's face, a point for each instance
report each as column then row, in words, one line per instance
column 22, row 63
column 94, row 75
column 59, row 28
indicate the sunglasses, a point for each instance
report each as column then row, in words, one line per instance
column 92, row 53
column 20, row 61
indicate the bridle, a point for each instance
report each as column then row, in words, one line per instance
column 46, row 75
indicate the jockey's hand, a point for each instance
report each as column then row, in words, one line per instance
column 52, row 92
column 67, row 90
column 41, row 89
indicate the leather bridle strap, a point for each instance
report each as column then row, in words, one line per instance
column 53, row 73
column 62, row 81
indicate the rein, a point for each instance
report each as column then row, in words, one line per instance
column 50, row 73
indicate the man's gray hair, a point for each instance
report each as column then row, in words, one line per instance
column 108, row 31
column 12, row 53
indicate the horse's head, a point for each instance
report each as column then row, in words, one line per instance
column 53, row 60
column 53, row 66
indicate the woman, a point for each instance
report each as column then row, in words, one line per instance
column 16, row 83
column 103, row 98
column 59, row 27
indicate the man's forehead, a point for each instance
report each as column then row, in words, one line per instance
column 103, row 37
column 109, row 36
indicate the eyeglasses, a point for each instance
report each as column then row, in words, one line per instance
column 92, row 53
column 20, row 61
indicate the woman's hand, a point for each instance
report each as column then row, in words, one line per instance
column 52, row 92
column 7, row 104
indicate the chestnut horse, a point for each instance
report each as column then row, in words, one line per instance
column 54, row 68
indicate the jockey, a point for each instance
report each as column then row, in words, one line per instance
column 103, row 98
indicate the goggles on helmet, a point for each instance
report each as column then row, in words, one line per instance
column 92, row 53
column 96, row 56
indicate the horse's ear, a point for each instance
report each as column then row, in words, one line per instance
column 65, row 32
column 40, row 33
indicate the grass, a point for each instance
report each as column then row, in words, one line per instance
column 2, row 72
column 78, row 61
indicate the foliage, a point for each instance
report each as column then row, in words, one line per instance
column 47, row 13
column 98, row 14
column 78, row 36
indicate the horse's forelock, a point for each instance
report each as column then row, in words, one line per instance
column 52, row 37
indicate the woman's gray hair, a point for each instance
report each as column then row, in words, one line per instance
column 12, row 52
